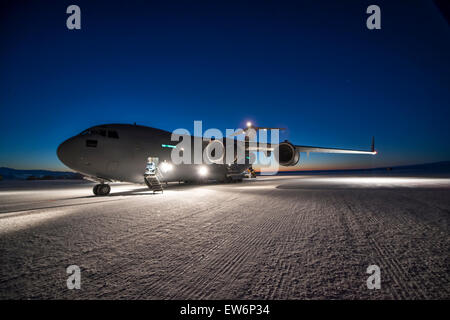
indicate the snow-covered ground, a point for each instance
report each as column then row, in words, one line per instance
column 292, row 237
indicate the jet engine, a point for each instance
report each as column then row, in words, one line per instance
column 286, row 154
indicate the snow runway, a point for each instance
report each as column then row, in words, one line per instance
column 292, row 237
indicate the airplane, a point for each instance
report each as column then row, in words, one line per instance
column 140, row 154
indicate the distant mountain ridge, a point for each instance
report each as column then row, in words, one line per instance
column 16, row 174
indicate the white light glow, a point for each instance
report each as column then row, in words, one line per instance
column 388, row 181
column 166, row 167
column 203, row 171
column 249, row 124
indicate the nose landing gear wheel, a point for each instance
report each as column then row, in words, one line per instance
column 101, row 189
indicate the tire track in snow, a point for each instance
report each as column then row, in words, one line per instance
column 176, row 226
column 407, row 223
column 107, row 246
column 224, row 262
column 228, row 266
column 154, row 288
column 389, row 262
column 381, row 255
column 282, row 260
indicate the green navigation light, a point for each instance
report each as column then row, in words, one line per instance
column 168, row 146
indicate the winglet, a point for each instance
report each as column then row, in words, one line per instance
column 373, row 145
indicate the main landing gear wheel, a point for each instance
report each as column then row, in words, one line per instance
column 101, row 189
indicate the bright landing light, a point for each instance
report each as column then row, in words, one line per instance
column 166, row 167
column 203, row 171
column 249, row 124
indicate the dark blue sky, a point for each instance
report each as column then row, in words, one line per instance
column 311, row 66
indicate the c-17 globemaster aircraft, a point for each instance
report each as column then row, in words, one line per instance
column 140, row 154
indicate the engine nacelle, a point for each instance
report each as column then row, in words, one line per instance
column 286, row 155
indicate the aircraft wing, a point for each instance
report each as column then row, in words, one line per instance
column 267, row 147
column 331, row 150
column 335, row 150
column 308, row 149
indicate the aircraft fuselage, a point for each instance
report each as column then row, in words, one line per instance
column 120, row 152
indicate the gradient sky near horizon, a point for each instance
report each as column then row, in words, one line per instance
column 310, row 66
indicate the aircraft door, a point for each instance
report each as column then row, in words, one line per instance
column 152, row 164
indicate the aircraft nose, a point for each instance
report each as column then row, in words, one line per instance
column 64, row 150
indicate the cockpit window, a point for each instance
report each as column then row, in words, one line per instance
column 102, row 132
column 91, row 143
column 113, row 134
column 98, row 131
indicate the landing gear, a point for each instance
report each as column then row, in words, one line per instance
column 101, row 189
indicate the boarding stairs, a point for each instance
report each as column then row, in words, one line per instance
column 153, row 183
